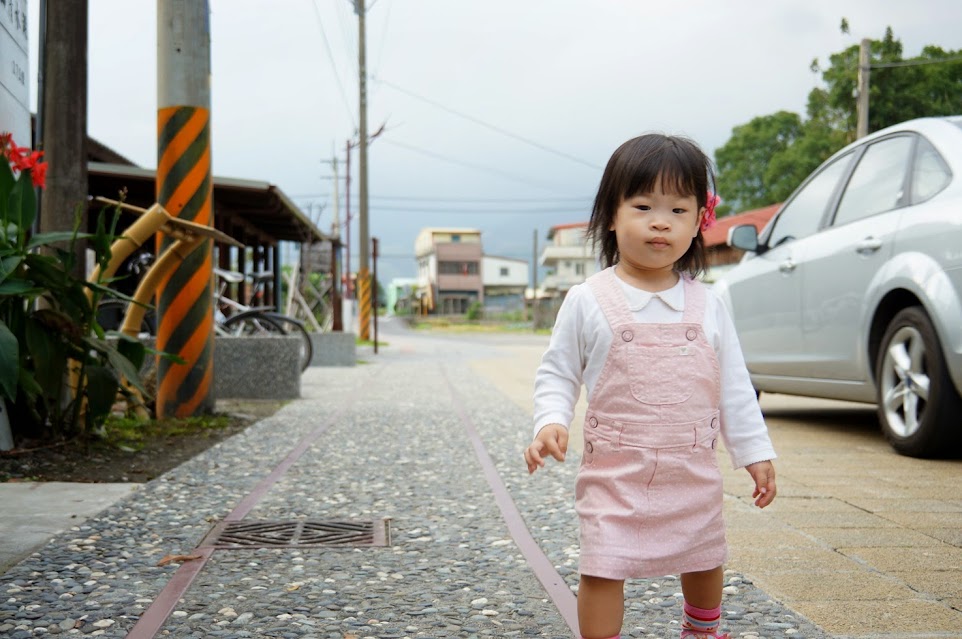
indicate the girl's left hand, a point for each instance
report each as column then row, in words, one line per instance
column 764, row 475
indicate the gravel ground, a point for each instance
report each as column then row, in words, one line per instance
column 398, row 451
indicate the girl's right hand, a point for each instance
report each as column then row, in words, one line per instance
column 550, row 440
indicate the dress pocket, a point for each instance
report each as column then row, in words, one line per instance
column 659, row 375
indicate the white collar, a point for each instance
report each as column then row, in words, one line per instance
column 638, row 299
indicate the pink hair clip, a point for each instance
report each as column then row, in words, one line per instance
column 708, row 220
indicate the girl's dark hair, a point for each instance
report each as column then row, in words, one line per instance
column 682, row 168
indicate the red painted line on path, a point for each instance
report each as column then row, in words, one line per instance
column 153, row 619
column 554, row 584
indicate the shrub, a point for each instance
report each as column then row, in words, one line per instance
column 48, row 330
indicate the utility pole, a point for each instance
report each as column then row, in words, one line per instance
column 864, row 56
column 534, row 264
column 338, row 321
column 348, row 288
column 64, row 123
column 363, row 277
column 184, row 306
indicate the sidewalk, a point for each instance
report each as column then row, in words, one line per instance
column 391, row 439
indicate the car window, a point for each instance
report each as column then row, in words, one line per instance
column 930, row 174
column 802, row 216
column 877, row 184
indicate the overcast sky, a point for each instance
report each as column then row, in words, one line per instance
column 499, row 114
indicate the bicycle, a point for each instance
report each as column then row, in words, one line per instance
column 248, row 322
column 231, row 311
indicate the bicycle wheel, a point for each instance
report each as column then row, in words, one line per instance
column 252, row 324
column 293, row 326
column 111, row 314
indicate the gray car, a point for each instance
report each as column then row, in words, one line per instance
column 853, row 290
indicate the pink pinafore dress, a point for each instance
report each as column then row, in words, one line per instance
column 649, row 489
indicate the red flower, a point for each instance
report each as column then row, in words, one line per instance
column 39, row 175
column 21, row 159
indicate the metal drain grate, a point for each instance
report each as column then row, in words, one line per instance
column 299, row 534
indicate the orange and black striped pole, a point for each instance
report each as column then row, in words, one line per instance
column 184, row 188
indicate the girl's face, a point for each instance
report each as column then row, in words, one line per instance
column 654, row 230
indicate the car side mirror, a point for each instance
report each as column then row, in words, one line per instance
column 744, row 237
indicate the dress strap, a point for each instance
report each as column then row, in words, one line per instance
column 610, row 297
column 694, row 301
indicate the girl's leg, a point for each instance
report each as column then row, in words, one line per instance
column 601, row 607
column 703, row 589
column 703, row 595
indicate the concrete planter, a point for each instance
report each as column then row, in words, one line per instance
column 334, row 349
column 257, row 367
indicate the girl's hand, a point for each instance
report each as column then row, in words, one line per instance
column 764, row 475
column 553, row 440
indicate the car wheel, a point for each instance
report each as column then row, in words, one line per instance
column 918, row 406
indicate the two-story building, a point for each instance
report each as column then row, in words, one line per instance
column 570, row 259
column 449, row 269
column 505, row 280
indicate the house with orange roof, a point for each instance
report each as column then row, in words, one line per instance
column 720, row 255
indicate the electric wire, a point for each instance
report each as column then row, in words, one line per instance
column 487, row 125
column 912, row 63
column 330, row 57
column 470, row 165
column 467, row 200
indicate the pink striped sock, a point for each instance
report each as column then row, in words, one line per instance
column 701, row 620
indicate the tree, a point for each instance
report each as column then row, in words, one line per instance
column 744, row 160
column 767, row 158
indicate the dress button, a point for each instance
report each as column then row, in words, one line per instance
column 714, row 422
column 589, row 447
column 593, row 422
column 627, row 336
column 713, row 442
column 691, row 334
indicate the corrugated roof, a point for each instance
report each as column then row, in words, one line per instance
column 254, row 204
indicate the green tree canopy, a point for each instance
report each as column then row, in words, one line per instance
column 767, row 158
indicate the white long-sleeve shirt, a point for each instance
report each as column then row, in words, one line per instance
column 579, row 347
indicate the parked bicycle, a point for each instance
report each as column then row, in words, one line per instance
column 231, row 318
column 231, row 311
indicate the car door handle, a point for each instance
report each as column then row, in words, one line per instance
column 787, row 266
column 868, row 245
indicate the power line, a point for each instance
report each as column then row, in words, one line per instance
column 468, row 200
column 486, row 125
column 474, row 200
column 469, row 165
column 913, row 63
column 330, row 57
column 449, row 211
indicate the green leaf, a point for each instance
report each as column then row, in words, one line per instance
column 23, row 203
column 101, row 391
column 9, row 362
column 42, row 239
column 123, row 366
column 8, row 265
column 18, row 287
column 47, row 271
column 133, row 349
column 49, row 355
column 6, row 185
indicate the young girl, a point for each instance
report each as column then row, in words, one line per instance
column 665, row 377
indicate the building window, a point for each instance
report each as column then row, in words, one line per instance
column 580, row 268
column 455, row 238
column 504, row 271
column 458, row 268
